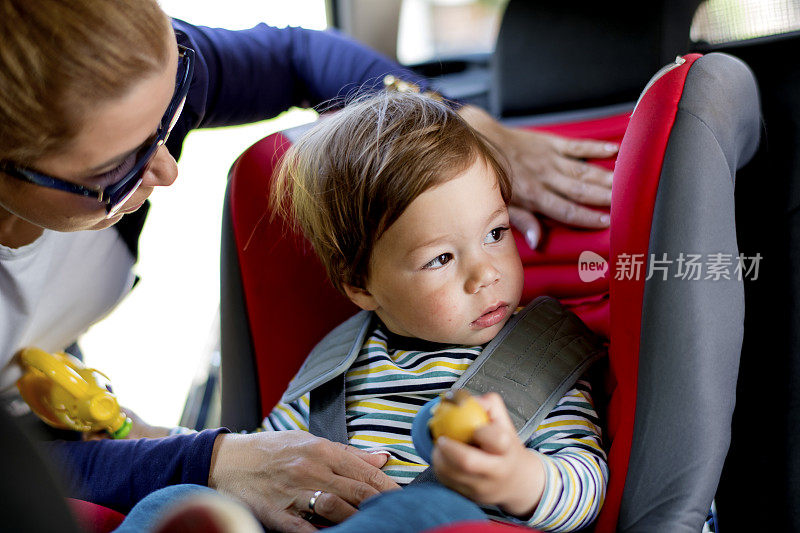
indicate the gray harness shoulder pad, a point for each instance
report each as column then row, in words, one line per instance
column 332, row 356
column 534, row 360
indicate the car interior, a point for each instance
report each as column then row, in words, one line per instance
column 708, row 166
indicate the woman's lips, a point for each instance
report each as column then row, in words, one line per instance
column 491, row 317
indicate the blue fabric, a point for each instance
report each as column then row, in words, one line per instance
column 433, row 505
column 415, row 508
column 148, row 512
column 249, row 75
column 119, row 473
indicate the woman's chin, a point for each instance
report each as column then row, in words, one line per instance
column 107, row 222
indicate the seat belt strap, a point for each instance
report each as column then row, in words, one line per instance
column 326, row 411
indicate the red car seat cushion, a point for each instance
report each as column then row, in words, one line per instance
column 95, row 518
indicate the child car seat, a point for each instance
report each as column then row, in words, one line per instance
column 673, row 343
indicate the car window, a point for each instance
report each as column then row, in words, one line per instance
column 723, row 21
column 432, row 29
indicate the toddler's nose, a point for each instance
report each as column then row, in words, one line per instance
column 483, row 275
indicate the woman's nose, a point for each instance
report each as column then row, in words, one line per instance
column 162, row 170
column 483, row 274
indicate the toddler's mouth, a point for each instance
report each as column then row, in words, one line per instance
column 493, row 315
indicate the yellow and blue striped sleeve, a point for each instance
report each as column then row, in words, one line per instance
column 576, row 472
column 288, row 416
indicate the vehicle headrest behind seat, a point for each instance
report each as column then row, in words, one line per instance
column 552, row 56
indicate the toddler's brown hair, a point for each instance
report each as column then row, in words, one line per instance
column 353, row 174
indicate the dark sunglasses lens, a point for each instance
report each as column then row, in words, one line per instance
column 116, row 205
column 122, row 191
column 179, row 98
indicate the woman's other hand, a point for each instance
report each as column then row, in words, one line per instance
column 276, row 474
column 550, row 175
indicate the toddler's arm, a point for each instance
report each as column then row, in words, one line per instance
column 557, row 483
column 288, row 416
column 570, row 443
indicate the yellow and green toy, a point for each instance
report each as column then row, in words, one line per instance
column 66, row 394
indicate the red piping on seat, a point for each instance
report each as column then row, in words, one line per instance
column 637, row 175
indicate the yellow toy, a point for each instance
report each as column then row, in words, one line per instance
column 66, row 394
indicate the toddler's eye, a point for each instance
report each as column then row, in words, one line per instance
column 495, row 235
column 438, row 261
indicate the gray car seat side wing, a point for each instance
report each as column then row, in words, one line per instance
column 692, row 329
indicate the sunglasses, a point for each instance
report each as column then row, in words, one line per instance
column 133, row 168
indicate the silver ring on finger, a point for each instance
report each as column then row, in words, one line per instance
column 313, row 501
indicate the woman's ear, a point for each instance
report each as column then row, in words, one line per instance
column 361, row 297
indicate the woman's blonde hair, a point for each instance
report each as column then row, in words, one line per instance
column 350, row 177
column 58, row 58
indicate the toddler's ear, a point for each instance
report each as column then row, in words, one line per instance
column 361, row 297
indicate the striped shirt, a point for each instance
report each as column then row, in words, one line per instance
column 387, row 385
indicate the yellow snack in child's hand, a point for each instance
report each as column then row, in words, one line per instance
column 457, row 416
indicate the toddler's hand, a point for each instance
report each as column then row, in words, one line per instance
column 498, row 469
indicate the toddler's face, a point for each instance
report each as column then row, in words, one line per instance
column 448, row 269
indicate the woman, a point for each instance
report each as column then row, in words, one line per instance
column 96, row 98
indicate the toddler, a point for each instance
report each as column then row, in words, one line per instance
column 406, row 206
